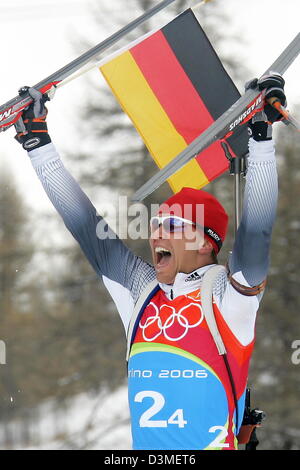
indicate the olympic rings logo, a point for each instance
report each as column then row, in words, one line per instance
column 171, row 324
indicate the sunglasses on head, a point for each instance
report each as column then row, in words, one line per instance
column 170, row 223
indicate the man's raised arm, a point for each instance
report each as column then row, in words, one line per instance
column 249, row 261
column 124, row 274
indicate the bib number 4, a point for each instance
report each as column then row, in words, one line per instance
column 158, row 404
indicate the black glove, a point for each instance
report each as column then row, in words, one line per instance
column 260, row 127
column 32, row 131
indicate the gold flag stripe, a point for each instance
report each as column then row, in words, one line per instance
column 150, row 119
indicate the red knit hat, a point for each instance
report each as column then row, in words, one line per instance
column 188, row 202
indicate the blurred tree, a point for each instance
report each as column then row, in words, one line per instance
column 51, row 326
column 90, row 325
column 16, row 249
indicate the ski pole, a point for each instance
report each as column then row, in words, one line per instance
column 101, row 62
column 239, row 113
column 275, row 102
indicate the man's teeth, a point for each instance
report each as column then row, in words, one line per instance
column 160, row 249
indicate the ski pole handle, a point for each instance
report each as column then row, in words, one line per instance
column 275, row 102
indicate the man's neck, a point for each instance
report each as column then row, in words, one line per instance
column 185, row 282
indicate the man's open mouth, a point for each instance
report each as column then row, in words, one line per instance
column 162, row 256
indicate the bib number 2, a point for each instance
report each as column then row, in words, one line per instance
column 158, row 404
column 176, row 418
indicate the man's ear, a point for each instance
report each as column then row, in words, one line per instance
column 205, row 247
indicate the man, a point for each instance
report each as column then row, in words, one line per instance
column 182, row 393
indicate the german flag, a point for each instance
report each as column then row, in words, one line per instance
column 173, row 86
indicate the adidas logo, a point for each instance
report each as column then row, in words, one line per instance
column 193, row 277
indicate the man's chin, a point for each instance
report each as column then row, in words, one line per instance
column 165, row 269
column 164, row 277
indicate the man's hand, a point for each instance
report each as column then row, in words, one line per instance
column 260, row 127
column 32, row 131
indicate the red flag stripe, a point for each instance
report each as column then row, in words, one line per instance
column 171, row 86
column 178, row 97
